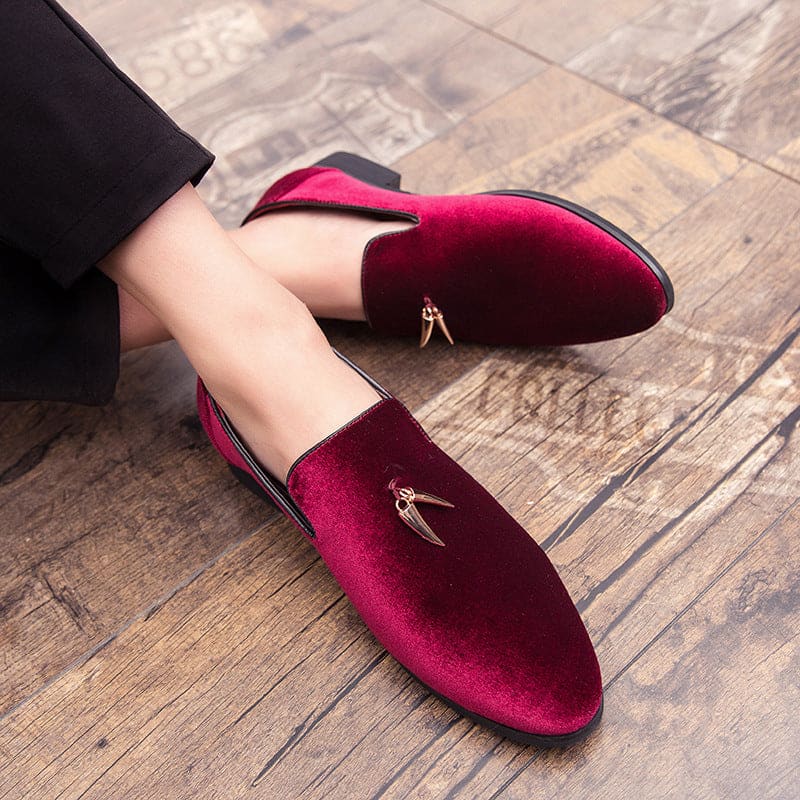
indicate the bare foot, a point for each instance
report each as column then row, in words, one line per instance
column 316, row 255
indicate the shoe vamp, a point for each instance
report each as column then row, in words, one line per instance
column 484, row 620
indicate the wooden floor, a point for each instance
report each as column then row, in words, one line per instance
column 165, row 635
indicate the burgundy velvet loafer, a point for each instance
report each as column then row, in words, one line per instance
column 441, row 574
column 510, row 267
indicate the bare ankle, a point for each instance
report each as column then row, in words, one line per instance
column 138, row 327
column 316, row 255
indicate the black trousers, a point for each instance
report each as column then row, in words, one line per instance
column 85, row 156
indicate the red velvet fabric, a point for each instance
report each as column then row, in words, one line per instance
column 485, row 620
column 503, row 269
column 213, row 429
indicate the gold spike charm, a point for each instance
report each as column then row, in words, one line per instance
column 405, row 498
column 430, row 315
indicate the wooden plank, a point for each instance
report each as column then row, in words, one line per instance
column 707, row 709
column 551, row 28
column 742, row 88
column 558, row 134
column 365, row 83
column 178, row 48
column 458, row 67
column 103, row 512
column 727, row 70
column 630, row 56
column 787, row 159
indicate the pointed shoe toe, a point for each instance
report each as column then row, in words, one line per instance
column 446, row 580
column 508, row 267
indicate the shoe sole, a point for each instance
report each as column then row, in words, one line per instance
column 521, row 737
column 367, row 171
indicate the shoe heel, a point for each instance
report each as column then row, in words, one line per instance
column 248, row 480
column 363, row 170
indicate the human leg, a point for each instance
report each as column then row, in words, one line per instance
column 255, row 344
column 316, row 255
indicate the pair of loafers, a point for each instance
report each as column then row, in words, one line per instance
column 456, row 590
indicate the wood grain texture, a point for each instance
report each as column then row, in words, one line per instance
column 730, row 71
column 268, row 91
column 742, row 88
column 566, row 138
column 787, row 159
column 163, row 634
column 551, row 28
column 630, row 56
column 94, row 524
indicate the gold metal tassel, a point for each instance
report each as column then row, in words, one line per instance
column 405, row 498
column 432, row 314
